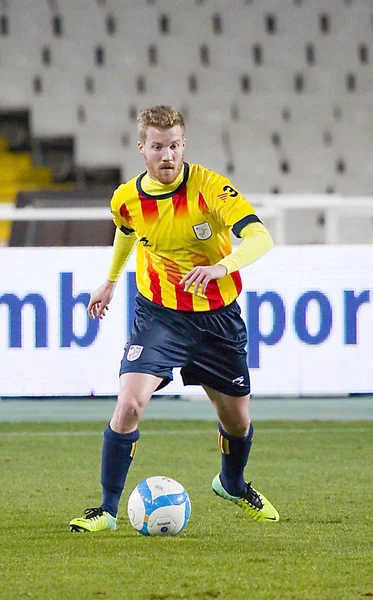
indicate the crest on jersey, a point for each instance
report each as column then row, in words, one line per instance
column 202, row 231
column 134, row 352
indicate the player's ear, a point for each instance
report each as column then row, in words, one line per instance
column 140, row 147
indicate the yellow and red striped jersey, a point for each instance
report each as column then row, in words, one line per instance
column 180, row 229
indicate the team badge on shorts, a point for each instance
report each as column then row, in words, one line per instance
column 134, row 352
column 202, row 231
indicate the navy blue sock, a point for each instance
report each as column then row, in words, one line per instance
column 118, row 451
column 235, row 453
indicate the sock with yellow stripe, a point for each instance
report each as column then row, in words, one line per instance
column 118, row 451
column 235, row 453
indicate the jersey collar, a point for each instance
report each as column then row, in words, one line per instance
column 167, row 194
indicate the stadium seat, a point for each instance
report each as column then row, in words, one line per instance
column 277, row 97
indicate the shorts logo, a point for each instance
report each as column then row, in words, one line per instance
column 239, row 381
column 134, row 352
column 202, row 231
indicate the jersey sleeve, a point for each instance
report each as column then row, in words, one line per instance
column 121, row 216
column 122, row 249
column 256, row 241
column 227, row 203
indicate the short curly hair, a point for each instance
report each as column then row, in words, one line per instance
column 161, row 117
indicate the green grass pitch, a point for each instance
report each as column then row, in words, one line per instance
column 317, row 474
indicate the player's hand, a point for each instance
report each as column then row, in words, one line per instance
column 201, row 276
column 100, row 300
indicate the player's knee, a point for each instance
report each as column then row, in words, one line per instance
column 133, row 406
column 237, row 427
column 242, row 429
column 135, row 409
column 128, row 412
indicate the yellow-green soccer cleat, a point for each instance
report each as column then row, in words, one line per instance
column 95, row 519
column 252, row 502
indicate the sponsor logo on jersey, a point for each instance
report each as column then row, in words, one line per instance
column 134, row 352
column 202, row 231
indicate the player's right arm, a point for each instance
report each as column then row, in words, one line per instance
column 124, row 243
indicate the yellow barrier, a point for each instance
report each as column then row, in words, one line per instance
column 40, row 175
column 18, row 160
column 3, row 144
column 17, row 173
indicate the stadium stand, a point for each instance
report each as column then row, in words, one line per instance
column 277, row 94
column 17, row 172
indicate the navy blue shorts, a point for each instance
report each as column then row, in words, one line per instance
column 210, row 347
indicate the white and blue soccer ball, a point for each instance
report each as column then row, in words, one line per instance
column 159, row 506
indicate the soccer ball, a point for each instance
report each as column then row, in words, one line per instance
column 159, row 506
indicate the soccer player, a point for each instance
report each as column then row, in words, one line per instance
column 180, row 216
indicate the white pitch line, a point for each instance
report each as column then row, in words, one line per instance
column 282, row 430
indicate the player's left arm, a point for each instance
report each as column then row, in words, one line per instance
column 256, row 241
column 235, row 212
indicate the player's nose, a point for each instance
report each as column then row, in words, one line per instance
column 167, row 155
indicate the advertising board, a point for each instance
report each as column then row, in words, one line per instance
column 308, row 310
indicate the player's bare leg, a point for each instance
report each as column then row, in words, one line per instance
column 233, row 411
column 135, row 391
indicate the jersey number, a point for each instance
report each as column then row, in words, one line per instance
column 232, row 192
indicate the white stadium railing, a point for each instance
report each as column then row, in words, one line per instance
column 331, row 208
column 287, row 217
